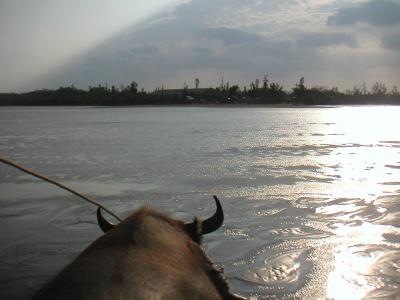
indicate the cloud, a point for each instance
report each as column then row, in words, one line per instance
column 230, row 35
column 202, row 51
column 391, row 41
column 326, row 39
column 240, row 41
column 145, row 50
column 374, row 13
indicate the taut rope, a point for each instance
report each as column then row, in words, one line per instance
column 60, row 185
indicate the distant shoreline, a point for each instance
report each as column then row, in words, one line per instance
column 268, row 94
column 199, row 106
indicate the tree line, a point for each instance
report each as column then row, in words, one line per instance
column 259, row 92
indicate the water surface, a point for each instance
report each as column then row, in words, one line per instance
column 311, row 195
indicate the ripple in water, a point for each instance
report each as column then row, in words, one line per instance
column 284, row 272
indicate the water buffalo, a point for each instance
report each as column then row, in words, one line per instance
column 147, row 256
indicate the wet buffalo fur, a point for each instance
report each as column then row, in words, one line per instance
column 147, row 256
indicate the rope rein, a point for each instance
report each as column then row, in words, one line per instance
column 60, row 185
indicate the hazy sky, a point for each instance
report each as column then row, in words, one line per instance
column 48, row 43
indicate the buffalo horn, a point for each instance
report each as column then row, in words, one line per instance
column 103, row 223
column 213, row 223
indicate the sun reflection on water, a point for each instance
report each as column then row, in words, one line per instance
column 356, row 261
column 363, row 150
column 345, row 282
column 364, row 161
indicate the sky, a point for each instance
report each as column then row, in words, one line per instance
column 169, row 43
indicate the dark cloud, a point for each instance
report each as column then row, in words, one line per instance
column 202, row 51
column 145, row 49
column 374, row 13
column 321, row 39
column 267, row 49
column 229, row 35
column 391, row 42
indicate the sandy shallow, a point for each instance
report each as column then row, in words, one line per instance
column 311, row 195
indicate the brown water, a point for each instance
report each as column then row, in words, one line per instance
column 311, row 195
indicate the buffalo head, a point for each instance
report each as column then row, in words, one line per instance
column 147, row 256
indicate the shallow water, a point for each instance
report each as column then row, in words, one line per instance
column 311, row 195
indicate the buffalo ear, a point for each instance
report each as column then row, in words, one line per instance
column 103, row 223
column 193, row 229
